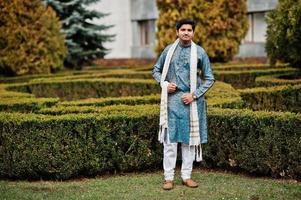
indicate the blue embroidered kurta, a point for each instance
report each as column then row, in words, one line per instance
column 179, row 73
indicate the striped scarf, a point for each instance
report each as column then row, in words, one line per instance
column 194, row 119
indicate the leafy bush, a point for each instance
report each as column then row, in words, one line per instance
column 30, row 38
column 284, row 33
column 221, row 24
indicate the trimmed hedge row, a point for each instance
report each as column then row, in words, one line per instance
column 26, row 104
column 217, row 97
column 10, row 94
column 85, row 88
column 108, row 110
column 278, row 79
column 246, row 79
column 278, row 98
column 265, row 143
column 241, row 67
column 136, row 100
column 61, row 147
column 107, row 74
column 26, row 78
column 221, row 93
column 65, row 146
column 226, row 67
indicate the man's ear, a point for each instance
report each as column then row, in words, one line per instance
column 177, row 32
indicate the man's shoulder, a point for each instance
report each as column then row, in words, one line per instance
column 200, row 49
column 167, row 47
column 165, row 50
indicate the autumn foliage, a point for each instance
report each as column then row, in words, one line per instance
column 30, row 38
column 221, row 24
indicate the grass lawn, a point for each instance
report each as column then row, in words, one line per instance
column 144, row 186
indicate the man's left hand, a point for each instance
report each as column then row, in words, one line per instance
column 187, row 98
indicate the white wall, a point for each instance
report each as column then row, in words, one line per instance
column 260, row 26
column 120, row 17
column 257, row 28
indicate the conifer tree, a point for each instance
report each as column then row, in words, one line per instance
column 221, row 24
column 284, row 33
column 84, row 38
column 30, row 38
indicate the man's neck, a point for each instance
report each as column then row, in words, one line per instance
column 185, row 43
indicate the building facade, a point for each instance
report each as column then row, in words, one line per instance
column 253, row 44
column 135, row 27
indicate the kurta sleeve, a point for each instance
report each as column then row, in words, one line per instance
column 158, row 67
column 205, row 67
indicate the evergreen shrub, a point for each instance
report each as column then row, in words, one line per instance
column 277, row 98
column 88, row 88
column 283, row 33
column 246, row 78
column 84, row 37
column 30, row 38
column 22, row 104
column 278, row 79
column 65, row 146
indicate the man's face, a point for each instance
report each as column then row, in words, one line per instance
column 185, row 33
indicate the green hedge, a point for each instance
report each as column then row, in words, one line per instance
column 106, row 74
column 278, row 79
column 26, row 104
column 221, row 93
column 135, row 100
column 246, row 78
column 11, row 94
column 265, row 143
column 61, row 147
column 12, row 101
column 88, row 88
column 59, row 75
column 241, row 67
column 278, row 98
column 106, row 110
column 65, row 146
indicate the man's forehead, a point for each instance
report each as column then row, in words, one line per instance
column 186, row 26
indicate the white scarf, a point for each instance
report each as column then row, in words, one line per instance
column 194, row 119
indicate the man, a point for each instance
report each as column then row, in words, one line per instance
column 183, row 107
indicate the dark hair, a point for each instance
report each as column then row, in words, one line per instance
column 181, row 22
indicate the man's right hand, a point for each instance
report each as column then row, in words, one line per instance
column 172, row 87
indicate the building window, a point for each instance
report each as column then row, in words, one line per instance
column 144, row 32
column 257, row 28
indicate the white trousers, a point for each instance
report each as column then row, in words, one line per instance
column 170, row 158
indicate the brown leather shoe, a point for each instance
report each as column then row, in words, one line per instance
column 168, row 185
column 190, row 183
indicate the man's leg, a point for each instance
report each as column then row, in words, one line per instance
column 188, row 154
column 169, row 160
